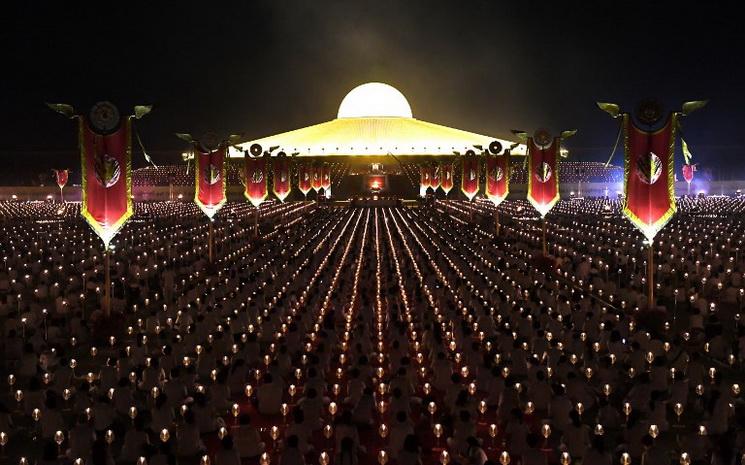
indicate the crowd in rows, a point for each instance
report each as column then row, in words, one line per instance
column 373, row 335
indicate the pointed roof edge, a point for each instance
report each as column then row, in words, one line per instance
column 375, row 136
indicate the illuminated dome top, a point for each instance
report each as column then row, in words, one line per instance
column 374, row 99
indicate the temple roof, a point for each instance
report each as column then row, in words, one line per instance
column 375, row 119
column 377, row 136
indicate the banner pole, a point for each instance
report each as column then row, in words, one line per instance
column 107, row 282
column 256, row 223
column 496, row 219
column 650, row 276
column 209, row 240
column 545, row 250
column 61, row 196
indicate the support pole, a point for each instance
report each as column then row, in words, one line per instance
column 496, row 219
column 650, row 276
column 61, row 196
column 210, row 240
column 107, row 282
column 256, row 222
column 545, row 249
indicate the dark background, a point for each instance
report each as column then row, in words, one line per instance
column 268, row 66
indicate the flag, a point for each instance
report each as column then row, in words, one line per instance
column 61, row 177
column 281, row 185
column 543, row 174
column 446, row 173
column 256, row 185
column 435, row 180
column 326, row 177
column 316, row 182
column 688, row 170
column 425, row 179
column 210, row 178
column 649, row 184
column 106, row 167
column 497, row 178
column 304, row 178
column 469, row 182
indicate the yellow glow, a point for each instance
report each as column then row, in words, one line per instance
column 375, row 136
column 375, row 119
column 374, row 99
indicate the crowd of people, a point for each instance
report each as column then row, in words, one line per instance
column 333, row 335
column 183, row 174
column 573, row 172
column 570, row 172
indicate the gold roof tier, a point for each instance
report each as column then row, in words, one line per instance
column 375, row 120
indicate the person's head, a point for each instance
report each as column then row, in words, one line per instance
column 411, row 443
column 50, row 451
column 99, row 452
column 347, row 444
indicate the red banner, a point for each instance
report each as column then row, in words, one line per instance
column 436, row 177
column 497, row 178
column 469, row 181
column 543, row 175
column 106, row 166
column 326, row 177
column 316, row 182
column 304, row 178
column 446, row 175
column 688, row 171
column 425, row 179
column 281, row 185
column 649, row 167
column 61, row 177
column 210, row 179
column 256, row 185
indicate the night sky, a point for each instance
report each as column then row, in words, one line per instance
column 263, row 67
